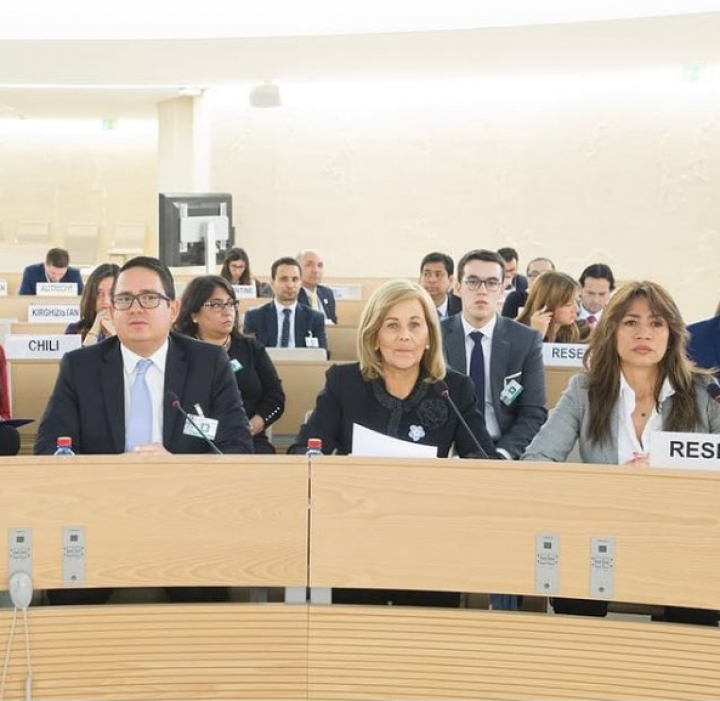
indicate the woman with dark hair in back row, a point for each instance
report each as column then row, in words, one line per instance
column 208, row 311
column 236, row 270
column 95, row 323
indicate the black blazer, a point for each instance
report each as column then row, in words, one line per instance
column 521, row 283
column 326, row 297
column 88, row 402
column 454, row 304
column 704, row 344
column 424, row 416
column 258, row 382
column 513, row 303
column 262, row 323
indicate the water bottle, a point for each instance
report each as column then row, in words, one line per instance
column 64, row 446
column 314, row 447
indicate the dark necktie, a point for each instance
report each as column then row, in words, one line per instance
column 477, row 368
column 592, row 320
column 285, row 335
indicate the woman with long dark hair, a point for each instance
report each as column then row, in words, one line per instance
column 236, row 270
column 639, row 379
column 208, row 311
column 95, row 323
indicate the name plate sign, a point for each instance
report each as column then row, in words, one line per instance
column 3, row 288
column 40, row 346
column 48, row 313
column 688, row 451
column 245, row 291
column 350, row 291
column 56, row 289
column 563, row 355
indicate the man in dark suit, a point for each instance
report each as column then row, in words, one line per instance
column 312, row 294
column 112, row 397
column 436, row 278
column 512, row 374
column 513, row 279
column 515, row 300
column 284, row 322
column 56, row 268
column 704, row 344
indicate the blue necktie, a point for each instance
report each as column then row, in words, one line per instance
column 140, row 417
column 477, row 369
column 285, row 335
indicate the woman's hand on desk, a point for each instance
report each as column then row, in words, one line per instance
column 639, row 460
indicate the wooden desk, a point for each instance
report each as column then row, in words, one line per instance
column 556, row 380
column 202, row 520
column 302, row 381
column 163, row 522
column 13, row 282
column 342, row 341
column 31, row 383
column 471, row 526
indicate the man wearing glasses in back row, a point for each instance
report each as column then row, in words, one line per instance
column 118, row 396
column 503, row 357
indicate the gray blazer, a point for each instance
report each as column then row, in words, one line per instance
column 516, row 351
column 569, row 422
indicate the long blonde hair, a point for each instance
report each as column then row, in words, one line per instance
column 373, row 314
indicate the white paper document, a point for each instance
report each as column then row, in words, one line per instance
column 371, row 444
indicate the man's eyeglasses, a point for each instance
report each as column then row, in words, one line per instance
column 215, row 305
column 492, row 284
column 147, row 300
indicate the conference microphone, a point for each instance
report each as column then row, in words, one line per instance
column 175, row 404
column 714, row 391
column 444, row 391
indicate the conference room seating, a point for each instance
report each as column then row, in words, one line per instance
column 431, row 524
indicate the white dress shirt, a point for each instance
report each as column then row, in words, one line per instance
column 155, row 377
column 442, row 309
column 628, row 443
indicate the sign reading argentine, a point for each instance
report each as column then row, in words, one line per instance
column 49, row 313
column 245, row 291
column 56, row 289
column 689, row 451
column 40, row 346
column 563, row 355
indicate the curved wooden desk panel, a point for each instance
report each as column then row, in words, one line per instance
column 150, row 652
column 179, row 520
column 471, row 526
column 458, row 525
column 395, row 653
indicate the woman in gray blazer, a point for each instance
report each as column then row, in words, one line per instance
column 639, row 379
